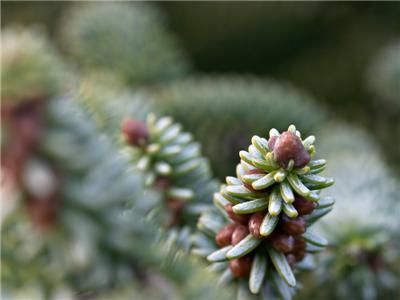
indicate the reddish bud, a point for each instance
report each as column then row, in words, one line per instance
column 26, row 122
column 295, row 226
column 375, row 262
column 299, row 244
column 29, row 130
column 239, row 234
column 23, row 123
column 282, row 242
column 175, row 205
column 43, row 211
column 13, row 159
column 299, row 250
column 135, row 132
column 241, row 219
column 224, row 236
column 255, row 223
column 288, row 147
column 272, row 141
column 299, row 255
column 240, row 267
column 162, row 183
column 303, row 206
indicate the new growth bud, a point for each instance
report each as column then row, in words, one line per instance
column 288, row 147
column 240, row 267
column 239, row 234
column 135, row 132
column 224, row 236
column 304, row 207
column 294, row 226
column 283, row 242
column 241, row 219
column 255, row 223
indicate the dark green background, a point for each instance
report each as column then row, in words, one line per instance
column 325, row 48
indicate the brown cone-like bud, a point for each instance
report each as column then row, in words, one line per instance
column 299, row 244
column 289, row 146
column 27, row 124
column 43, row 211
column 13, row 159
column 162, row 183
column 291, row 259
column 240, row 267
column 224, row 236
column 294, row 226
column 272, row 141
column 299, row 250
column 135, row 132
column 255, row 223
column 299, row 255
column 23, row 125
column 27, row 121
column 303, row 206
column 282, row 242
column 241, row 219
column 175, row 205
column 375, row 262
column 239, row 234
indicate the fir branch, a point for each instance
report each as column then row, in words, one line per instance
column 260, row 229
column 223, row 112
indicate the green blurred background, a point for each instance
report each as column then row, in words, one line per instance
column 325, row 48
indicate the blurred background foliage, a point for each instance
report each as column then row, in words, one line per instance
column 326, row 48
column 229, row 110
column 96, row 42
column 230, row 70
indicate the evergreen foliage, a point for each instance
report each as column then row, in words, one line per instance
column 107, row 103
column 224, row 112
column 90, row 246
column 81, row 226
column 127, row 39
column 261, row 230
column 73, row 224
column 173, row 164
column 362, row 264
column 103, row 199
column 31, row 69
column 169, row 157
column 363, row 259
